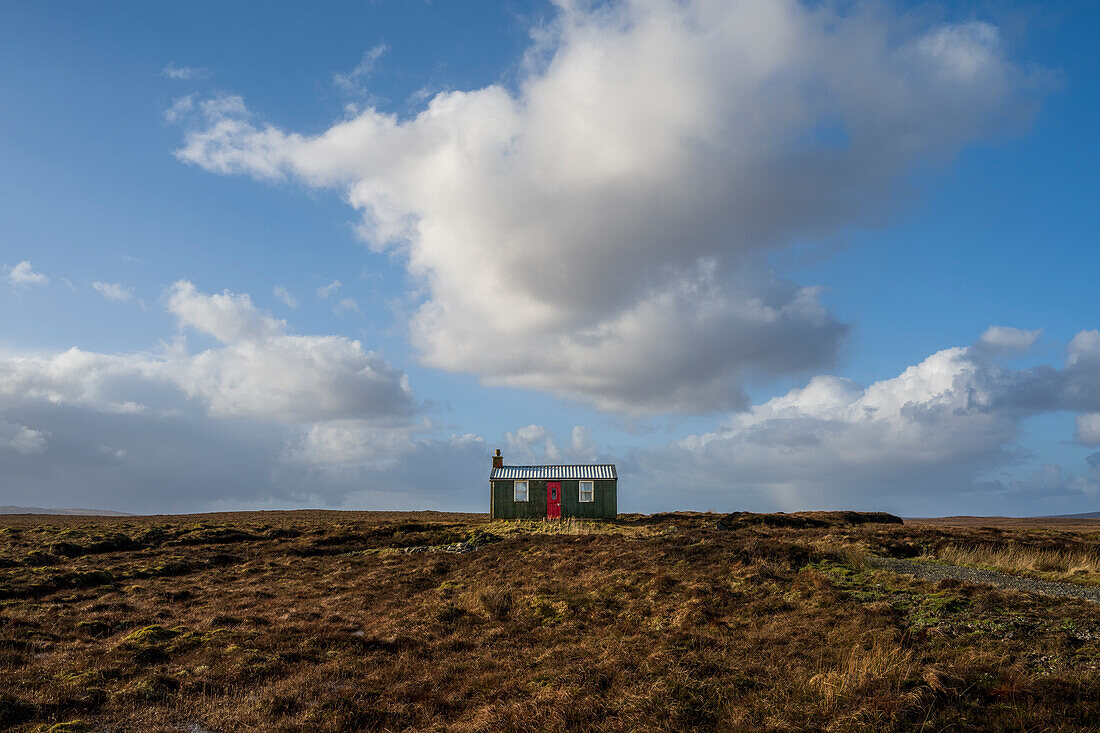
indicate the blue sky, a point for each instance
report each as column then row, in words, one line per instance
column 546, row 244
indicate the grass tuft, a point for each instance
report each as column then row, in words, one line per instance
column 1077, row 565
column 884, row 667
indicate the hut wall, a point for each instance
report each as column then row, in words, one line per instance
column 605, row 505
column 505, row 507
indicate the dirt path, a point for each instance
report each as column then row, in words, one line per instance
column 934, row 571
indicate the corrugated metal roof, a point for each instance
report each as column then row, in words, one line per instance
column 555, row 473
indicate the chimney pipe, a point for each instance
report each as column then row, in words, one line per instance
column 498, row 460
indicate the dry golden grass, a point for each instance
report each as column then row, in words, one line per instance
column 326, row 621
column 572, row 526
column 1079, row 565
column 885, row 665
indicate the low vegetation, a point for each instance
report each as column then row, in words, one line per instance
column 325, row 621
column 1076, row 564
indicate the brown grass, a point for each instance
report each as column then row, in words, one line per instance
column 1068, row 524
column 325, row 621
column 885, row 665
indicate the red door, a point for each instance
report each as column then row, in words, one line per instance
column 553, row 499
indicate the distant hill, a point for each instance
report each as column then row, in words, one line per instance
column 68, row 512
column 1083, row 515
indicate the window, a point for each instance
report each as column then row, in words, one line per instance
column 587, row 492
column 520, row 491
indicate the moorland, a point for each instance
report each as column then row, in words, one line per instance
column 341, row 621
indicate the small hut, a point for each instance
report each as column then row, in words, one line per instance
column 586, row 491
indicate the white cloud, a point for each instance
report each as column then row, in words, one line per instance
column 582, row 444
column 113, row 291
column 930, row 434
column 326, row 291
column 297, row 379
column 107, row 382
column 263, row 372
column 259, row 371
column 532, row 444
column 285, row 295
column 535, row 444
column 1088, row 429
column 227, row 423
column 361, row 443
column 1084, row 349
column 185, row 73
column 601, row 232
column 22, row 439
column 341, row 442
column 23, row 274
column 399, row 468
column 960, row 52
column 1002, row 339
column 227, row 317
column 180, row 108
column 353, row 80
column 184, row 461
column 1051, row 486
column 280, row 420
column 347, row 305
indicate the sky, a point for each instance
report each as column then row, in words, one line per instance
column 763, row 256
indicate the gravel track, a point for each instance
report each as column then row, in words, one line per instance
column 935, row 571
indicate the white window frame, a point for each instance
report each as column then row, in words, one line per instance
column 526, row 491
column 591, row 492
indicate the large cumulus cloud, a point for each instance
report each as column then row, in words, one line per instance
column 258, row 371
column 926, row 441
column 600, row 230
column 236, row 424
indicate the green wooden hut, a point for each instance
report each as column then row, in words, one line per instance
column 587, row 491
